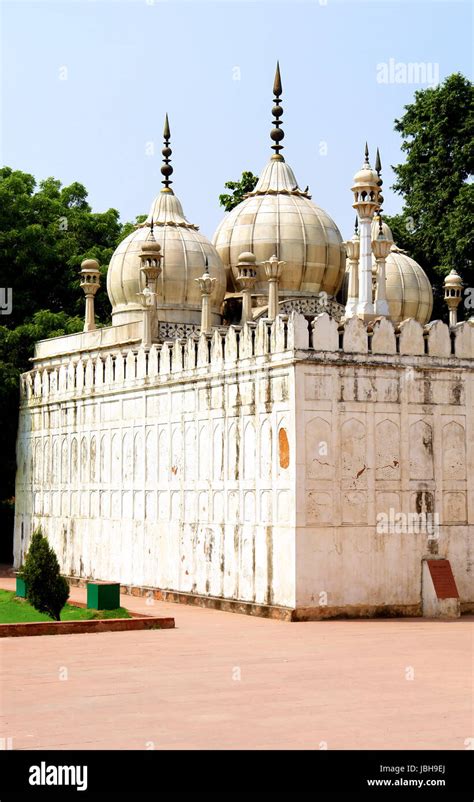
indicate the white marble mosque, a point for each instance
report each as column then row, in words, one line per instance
column 270, row 425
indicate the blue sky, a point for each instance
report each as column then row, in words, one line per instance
column 85, row 85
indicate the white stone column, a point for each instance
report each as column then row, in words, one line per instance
column 273, row 269
column 365, row 306
column 246, row 279
column 353, row 253
column 206, row 285
column 381, row 249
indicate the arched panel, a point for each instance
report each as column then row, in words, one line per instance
column 249, row 454
column 218, row 452
column 204, row 452
column 454, row 452
column 353, row 454
column 319, row 456
column 387, row 450
column 266, row 450
column 421, row 450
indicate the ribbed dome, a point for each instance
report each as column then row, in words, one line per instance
column 184, row 251
column 409, row 292
column 280, row 218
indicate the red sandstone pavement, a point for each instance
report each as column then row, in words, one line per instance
column 303, row 685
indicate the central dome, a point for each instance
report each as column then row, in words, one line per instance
column 277, row 217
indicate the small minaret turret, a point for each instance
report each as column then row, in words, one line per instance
column 273, row 269
column 90, row 283
column 246, row 279
column 353, row 253
column 452, row 295
column 206, row 285
column 381, row 249
column 366, row 200
column 150, row 260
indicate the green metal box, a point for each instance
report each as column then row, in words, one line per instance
column 103, row 595
column 20, row 587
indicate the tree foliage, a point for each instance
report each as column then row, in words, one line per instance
column 46, row 589
column 239, row 189
column 46, row 231
column 435, row 225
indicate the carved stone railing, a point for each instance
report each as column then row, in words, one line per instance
column 227, row 347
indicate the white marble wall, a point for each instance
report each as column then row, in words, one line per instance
column 177, row 487
column 252, row 466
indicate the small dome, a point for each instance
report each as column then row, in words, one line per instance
column 278, row 217
column 366, row 176
column 184, row 251
column 409, row 292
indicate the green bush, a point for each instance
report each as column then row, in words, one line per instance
column 46, row 589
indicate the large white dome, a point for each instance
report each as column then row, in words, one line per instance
column 279, row 218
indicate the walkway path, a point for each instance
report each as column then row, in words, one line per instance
column 221, row 680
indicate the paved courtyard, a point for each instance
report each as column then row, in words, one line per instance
column 221, row 680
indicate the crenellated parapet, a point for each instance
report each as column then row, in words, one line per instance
column 292, row 337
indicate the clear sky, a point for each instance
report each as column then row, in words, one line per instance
column 86, row 83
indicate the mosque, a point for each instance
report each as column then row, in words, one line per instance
column 271, row 424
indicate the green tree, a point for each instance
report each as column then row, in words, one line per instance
column 435, row 225
column 46, row 231
column 239, row 189
column 46, row 589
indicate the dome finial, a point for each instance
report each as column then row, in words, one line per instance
column 378, row 163
column 276, row 133
column 378, row 170
column 166, row 168
column 366, row 154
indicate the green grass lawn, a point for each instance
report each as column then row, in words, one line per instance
column 17, row 611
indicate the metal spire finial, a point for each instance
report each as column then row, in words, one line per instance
column 166, row 168
column 378, row 163
column 276, row 133
column 366, row 153
column 378, row 170
column 356, row 225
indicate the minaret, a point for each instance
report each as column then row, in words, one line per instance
column 273, row 270
column 246, row 279
column 353, row 253
column 452, row 295
column 150, row 258
column 276, row 133
column 381, row 249
column 206, row 285
column 366, row 201
column 90, row 283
